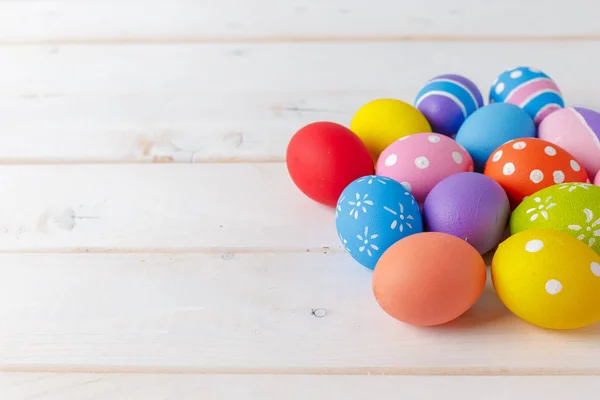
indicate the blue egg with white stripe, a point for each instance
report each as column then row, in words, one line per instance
column 530, row 89
column 447, row 101
column 372, row 213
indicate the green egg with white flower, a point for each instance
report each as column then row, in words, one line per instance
column 572, row 208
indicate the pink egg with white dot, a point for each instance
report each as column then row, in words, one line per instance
column 421, row 160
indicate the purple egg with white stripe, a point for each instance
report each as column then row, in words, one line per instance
column 446, row 101
column 529, row 88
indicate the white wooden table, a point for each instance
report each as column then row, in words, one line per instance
column 146, row 216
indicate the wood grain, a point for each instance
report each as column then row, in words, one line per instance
column 178, row 207
column 250, row 387
column 303, row 313
column 154, row 21
column 219, row 103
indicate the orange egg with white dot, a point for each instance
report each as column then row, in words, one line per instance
column 527, row 165
column 548, row 278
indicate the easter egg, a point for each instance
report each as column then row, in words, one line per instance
column 428, row 279
column 524, row 166
column 548, row 278
column 447, row 100
column 383, row 121
column 323, row 158
column 530, row 89
column 572, row 208
column 421, row 160
column 372, row 213
column 576, row 130
column 491, row 126
column 470, row 206
column 597, row 179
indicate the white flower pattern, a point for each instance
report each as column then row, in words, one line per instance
column 338, row 209
column 588, row 229
column 359, row 204
column 372, row 178
column 574, row 186
column 401, row 219
column 366, row 244
column 541, row 209
column 345, row 244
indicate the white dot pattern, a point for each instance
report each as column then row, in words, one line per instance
column 499, row 88
column 497, row 156
column 559, row 176
column 536, row 176
column 553, row 286
column 535, row 245
column 516, row 74
column 575, row 166
column 551, row 151
column 458, row 158
column 422, row 162
column 508, row 169
column 391, row 160
column 519, row 145
column 406, row 185
column 595, row 267
column 434, row 138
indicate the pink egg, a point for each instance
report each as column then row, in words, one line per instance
column 577, row 130
column 421, row 160
column 597, row 180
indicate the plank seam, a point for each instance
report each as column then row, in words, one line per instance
column 387, row 371
column 291, row 39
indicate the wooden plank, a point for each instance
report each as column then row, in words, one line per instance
column 198, row 103
column 218, row 20
column 307, row 313
column 249, row 387
column 176, row 207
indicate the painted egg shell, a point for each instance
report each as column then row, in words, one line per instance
column 470, row 206
column 447, row 100
column 323, row 158
column 597, row 179
column 576, row 130
column 573, row 208
column 524, row 166
column 429, row 279
column 528, row 88
column 548, row 278
column 383, row 121
column 420, row 161
column 373, row 213
column 491, row 126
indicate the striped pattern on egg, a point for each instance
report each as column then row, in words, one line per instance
column 447, row 100
column 529, row 88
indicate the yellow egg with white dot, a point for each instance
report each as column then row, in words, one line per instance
column 381, row 122
column 548, row 278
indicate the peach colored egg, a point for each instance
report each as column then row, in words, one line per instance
column 421, row 160
column 428, row 278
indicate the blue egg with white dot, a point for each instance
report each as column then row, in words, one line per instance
column 373, row 213
column 490, row 127
column 447, row 100
column 530, row 89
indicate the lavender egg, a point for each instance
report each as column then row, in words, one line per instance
column 471, row 206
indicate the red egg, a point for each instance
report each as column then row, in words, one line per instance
column 324, row 157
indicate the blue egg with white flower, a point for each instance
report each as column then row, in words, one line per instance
column 373, row 213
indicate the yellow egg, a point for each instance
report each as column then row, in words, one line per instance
column 548, row 278
column 381, row 122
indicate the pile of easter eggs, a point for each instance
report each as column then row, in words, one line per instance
column 422, row 190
